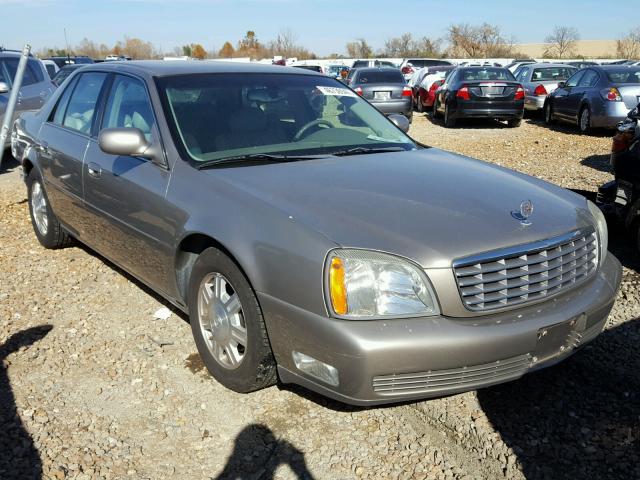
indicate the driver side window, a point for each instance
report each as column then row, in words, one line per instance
column 573, row 81
column 129, row 106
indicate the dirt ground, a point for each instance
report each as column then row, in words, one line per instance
column 94, row 385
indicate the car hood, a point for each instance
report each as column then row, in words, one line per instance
column 428, row 205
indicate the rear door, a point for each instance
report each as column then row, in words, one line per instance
column 587, row 82
column 126, row 194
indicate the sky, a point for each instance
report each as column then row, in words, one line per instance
column 322, row 26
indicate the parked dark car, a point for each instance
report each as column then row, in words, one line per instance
column 385, row 88
column 480, row 92
column 595, row 97
column 313, row 241
column 80, row 59
column 64, row 72
column 582, row 64
column 620, row 198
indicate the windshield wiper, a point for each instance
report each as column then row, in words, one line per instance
column 366, row 150
column 256, row 158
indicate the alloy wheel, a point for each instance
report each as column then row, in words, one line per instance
column 39, row 208
column 221, row 321
column 585, row 120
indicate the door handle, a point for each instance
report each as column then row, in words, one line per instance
column 94, row 170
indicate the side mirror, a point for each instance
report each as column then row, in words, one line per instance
column 124, row 141
column 400, row 121
column 4, row 88
column 562, row 84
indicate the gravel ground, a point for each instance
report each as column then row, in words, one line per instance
column 93, row 385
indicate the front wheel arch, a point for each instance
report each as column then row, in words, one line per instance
column 188, row 251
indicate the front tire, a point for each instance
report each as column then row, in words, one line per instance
column 548, row 114
column 434, row 112
column 228, row 326
column 419, row 106
column 45, row 224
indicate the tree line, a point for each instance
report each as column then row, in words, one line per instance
column 460, row 41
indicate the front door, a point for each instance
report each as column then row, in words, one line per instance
column 126, row 195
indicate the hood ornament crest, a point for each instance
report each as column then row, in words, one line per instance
column 523, row 214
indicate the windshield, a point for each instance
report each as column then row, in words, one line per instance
column 419, row 63
column 556, row 74
column 628, row 75
column 216, row 116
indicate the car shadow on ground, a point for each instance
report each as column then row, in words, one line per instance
column 598, row 162
column 579, row 419
column 19, row 457
column 565, row 127
column 257, row 453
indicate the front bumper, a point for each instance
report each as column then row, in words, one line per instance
column 384, row 361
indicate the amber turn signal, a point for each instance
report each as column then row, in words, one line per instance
column 337, row 288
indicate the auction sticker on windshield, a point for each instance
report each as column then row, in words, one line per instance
column 337, row 91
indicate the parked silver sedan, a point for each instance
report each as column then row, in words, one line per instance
column 308, row 238
column 540, row 79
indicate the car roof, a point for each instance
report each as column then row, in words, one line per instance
column 378, row 69
column 613, row 68
column 543, row 65
column 163, row 68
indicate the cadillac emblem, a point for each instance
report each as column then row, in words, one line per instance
column 523, row 214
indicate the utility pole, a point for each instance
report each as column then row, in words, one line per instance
column 13, row 99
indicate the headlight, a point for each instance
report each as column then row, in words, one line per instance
column 603, row 232
column 363, row 284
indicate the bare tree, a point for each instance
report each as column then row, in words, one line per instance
column 359, row 49
column 629, row 45
column 562, row 42
column 478, row 41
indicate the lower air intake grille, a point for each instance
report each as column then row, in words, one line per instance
column 444, row 380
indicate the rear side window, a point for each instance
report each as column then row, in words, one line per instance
column 589, row 79
column 381, row 76
column 61, row 107
column 573, row 81
column 129, row 106
column 624, row 76
column 81, row 108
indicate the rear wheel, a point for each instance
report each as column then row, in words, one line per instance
column 45, row 224
column 514, row 122
column 584, row 120
column 449, row 122
column 419, row 105
column 227, row 324
column 548, row 114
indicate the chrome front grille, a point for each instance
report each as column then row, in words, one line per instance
column 468, row 377
column 526, row 273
